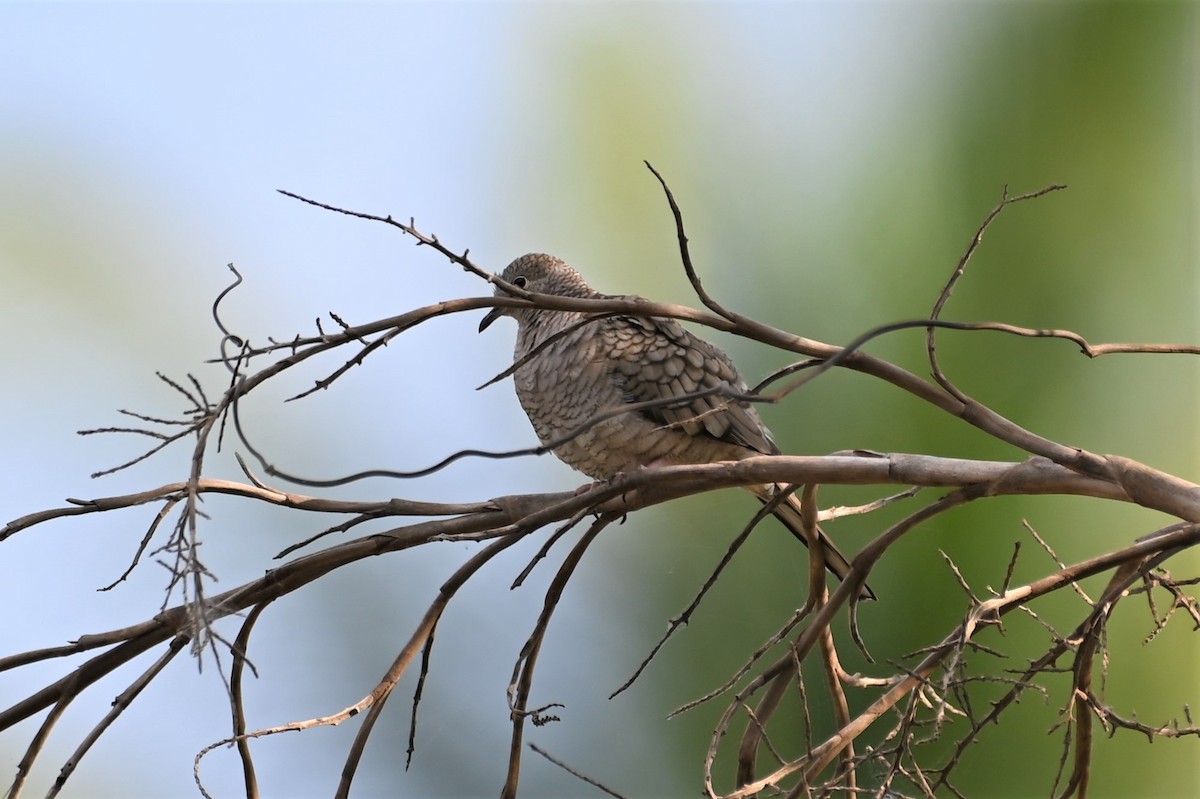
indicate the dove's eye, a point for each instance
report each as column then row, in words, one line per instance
column 519, row 281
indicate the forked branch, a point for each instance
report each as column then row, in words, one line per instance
column 876, row 719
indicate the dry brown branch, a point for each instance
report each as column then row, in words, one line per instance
column 521, row 684
column 870, row 742
column 959, row 271
column 816, row 761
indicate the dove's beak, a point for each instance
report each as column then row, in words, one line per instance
column 492, row 316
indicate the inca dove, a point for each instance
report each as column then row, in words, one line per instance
column 620, row 360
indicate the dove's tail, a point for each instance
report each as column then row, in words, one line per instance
column 788, row 512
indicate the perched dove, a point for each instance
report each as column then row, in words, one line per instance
column 620, row 360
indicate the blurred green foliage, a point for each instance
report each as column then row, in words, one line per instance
column 1097, row 96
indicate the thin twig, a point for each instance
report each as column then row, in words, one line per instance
column 575, row 773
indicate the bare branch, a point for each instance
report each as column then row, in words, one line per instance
column 907, row 703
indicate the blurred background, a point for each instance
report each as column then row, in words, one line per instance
column 832, row 162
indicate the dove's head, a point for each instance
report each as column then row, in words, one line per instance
column 542, row 274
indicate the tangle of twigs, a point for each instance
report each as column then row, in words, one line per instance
column 870, row 740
